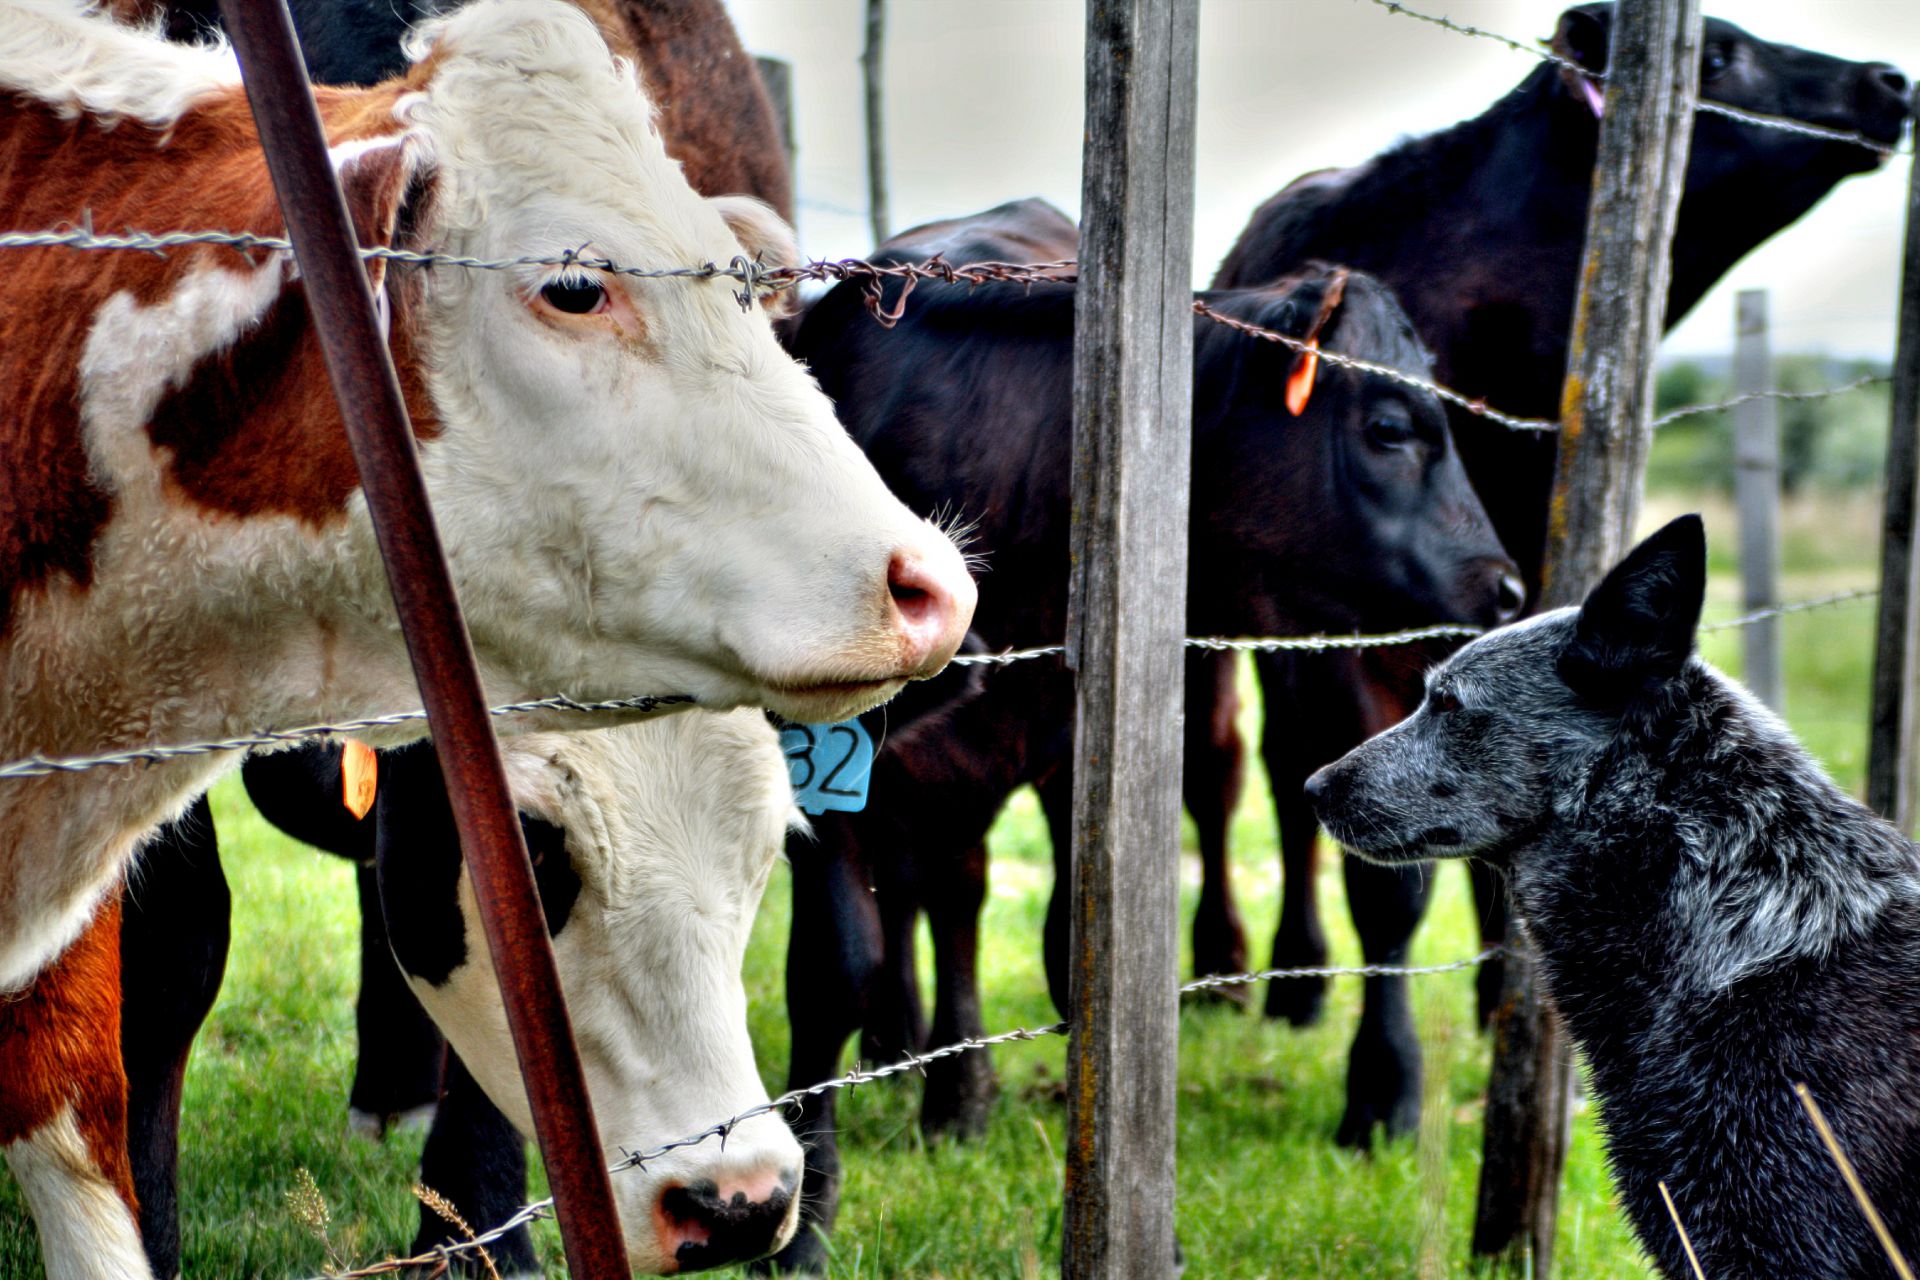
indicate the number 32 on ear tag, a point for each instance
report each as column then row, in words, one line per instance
column 829, row 764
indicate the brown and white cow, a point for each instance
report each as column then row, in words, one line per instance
column 637, row 490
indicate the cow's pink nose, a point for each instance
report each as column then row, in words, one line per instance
column 711, row 1224
column 932, row 598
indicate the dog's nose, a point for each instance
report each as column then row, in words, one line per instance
column 1316, row 787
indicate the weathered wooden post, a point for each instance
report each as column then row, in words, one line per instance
column 1132, row 403
column 1896, row 664
column 1605, row 429
column 873, row 61
column 1756, row 493
column 362, row 374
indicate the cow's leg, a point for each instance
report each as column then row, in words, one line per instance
column 895, row 1023
column 1214, row 772
column 833, row 956
column 176, row 919
column 1292, row 750
column 478, row 1161
column 63, row 1109
column 1490, row 897
column 960, row 1090
column 1383, row 1070
column 396, row 1074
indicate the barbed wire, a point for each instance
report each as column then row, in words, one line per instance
column 1798, row 606
column 1536, row 49
column 443, row 1254
column 756, row 279
column 1818, row 393
column 35, row 766
column 1470, row 404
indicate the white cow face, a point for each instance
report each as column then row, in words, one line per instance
column 638, row 489
column 669, row 829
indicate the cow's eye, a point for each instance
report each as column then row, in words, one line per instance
column 1715, row 59
column 575, row 295
column 1390, row 433
column 1439, row 702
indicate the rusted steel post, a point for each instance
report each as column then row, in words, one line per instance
column 1605, row 429
column 1132, row 404
column 368, row 390
column 1895, row 723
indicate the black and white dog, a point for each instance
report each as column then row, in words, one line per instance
column 1717, row 921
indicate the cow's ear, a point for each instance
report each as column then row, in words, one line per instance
column 1582, row 35
column 766, row 238
column 1636, row 629
column 383, row 179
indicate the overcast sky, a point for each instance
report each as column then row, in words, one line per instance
column 984, row 105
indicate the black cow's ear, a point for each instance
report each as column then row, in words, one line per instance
column 1636, row 628
column 1581, row 37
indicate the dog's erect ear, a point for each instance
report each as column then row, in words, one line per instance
column 1636, row 628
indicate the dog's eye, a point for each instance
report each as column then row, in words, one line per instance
column 1439, row 702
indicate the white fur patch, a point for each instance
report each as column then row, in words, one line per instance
column 86, row 1230
column 70, row 56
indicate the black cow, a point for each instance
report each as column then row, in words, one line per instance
column 1479, row 229
column 1356, row 514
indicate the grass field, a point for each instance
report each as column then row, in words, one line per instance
column 1262, row 1190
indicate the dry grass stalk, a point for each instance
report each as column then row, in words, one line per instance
column 444, row 1207
column 1693, row 1259
column 1853, row 1183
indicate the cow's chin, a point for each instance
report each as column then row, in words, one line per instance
column 828, row 700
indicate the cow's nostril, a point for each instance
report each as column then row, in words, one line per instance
column 1891, row 77
column 1510, row 597
column 705, row 1225
column 932, row 602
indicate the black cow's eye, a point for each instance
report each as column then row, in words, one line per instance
column 575, row 295
column 1390, row 433
column 1715, row 59
column 1439, row 702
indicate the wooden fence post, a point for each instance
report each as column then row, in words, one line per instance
column 1896, row 666
column 1132, row 405
column 873, row 61
column 1605, row 428
column 1756, row 491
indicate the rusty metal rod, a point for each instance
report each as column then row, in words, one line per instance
column 368, row 390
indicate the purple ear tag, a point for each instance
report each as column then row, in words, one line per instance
column 829, row 764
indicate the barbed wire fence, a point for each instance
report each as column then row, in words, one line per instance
column 755, row 279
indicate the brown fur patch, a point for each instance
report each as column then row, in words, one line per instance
column 280, row 447
column 715, row 115
column 60, row 1047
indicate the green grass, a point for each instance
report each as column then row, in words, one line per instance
column 1262, row 1189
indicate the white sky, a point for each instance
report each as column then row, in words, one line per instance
column 984, row 105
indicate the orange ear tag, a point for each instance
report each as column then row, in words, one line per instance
column 1300, row 381
column 359, row 777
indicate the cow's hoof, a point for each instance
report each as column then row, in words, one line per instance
column 1298, row 1001
column 960, row 1095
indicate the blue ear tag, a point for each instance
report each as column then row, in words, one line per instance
column 830, row 765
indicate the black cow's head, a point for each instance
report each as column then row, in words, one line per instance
column 1746, row 181
column 1354, row 512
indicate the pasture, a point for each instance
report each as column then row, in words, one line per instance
column 1262, row 1190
